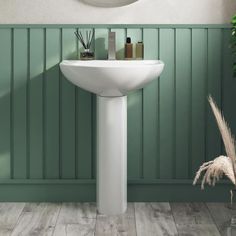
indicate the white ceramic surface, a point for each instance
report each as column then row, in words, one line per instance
column 112, row 155
column 111, row 81
column 111, row 78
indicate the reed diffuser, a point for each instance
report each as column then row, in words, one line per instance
column 87, row 54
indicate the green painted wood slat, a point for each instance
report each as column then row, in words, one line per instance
column 67, row 110
column 167, row 104
column 199, row 92
column 20, row 58
column 5, row 102
column 36, row 68
column 214, row 74
column 182, row 101
column 120, row 42
column 151, row 158
column 52, row 103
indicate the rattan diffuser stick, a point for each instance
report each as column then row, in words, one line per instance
column 89, row 38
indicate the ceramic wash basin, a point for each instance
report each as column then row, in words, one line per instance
column 111, row 81
column 112, row 78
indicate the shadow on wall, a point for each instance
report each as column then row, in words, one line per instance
column 23, row 110
column 102, row 51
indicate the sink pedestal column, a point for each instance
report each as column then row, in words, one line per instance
column 112, row 155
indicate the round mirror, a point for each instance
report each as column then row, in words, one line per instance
column 109, row 3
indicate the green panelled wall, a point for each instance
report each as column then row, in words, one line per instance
column 48, row 126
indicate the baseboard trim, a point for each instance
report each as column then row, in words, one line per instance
column 85, row 191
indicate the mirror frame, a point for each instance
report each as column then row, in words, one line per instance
column 109, row 3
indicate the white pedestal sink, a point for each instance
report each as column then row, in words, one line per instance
column 111, row 81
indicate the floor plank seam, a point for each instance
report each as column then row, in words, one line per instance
column 212, row 218
column 96, row 219
column 135, row 219
column 18, row 220
column 174, row 219
column 57, row 219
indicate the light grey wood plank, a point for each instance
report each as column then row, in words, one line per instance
column 9, row 215
column 198, row 230
column 85, row 227
column 37, row 219
column 191, row 213
column 222, row 213
column 117, row 225
column 154, row 219
column 76, row 219
column 71, row 213
column 193, row 219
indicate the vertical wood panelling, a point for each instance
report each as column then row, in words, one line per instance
column 199, row 77
column 183, row 101
column 67, row 109
column 214, row 88
column 48, row 126
column 94, row 136
column 85, row 132
column 5, row 100
column 36, row 55
column 120, row 42
column 228, row 83
column 101, row 43
column 136, row 35
column 20, row 103
column 52, row 103
column 167, row 104
column 85, row 135
column 150, row 110
column 135, row 122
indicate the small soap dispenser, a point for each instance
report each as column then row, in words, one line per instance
column 128, row 49
column 139, row 51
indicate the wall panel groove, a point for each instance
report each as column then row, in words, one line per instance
column 28, row 107
column 44, row 101
column 11, row 106
column 60, row 107
column 190, row 108
column 158, row 114
column 48, row 126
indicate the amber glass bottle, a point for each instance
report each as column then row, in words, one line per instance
column 128, row 49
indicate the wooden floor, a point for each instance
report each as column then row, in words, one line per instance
column 141, row 219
